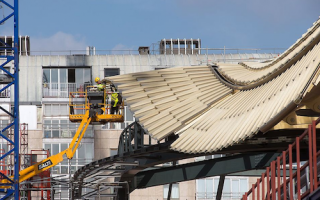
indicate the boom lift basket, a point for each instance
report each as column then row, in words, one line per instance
column 97, row 102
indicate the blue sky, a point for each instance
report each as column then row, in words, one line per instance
column 128, row 24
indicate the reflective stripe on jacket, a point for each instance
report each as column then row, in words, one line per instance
column 114, row 98
column 100, row 87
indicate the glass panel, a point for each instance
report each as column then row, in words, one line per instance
column 47, row 146
column 81, row 155
column 55, row 109
column 5, row 123
column 165, row 191
column 64, row 169
column 79, row 76
column 175, row 191
column 123, row 125
column 55, row 124
column 47, row 123
column 74, row 160
column 55, row 170
column 111, row 72
column 63, row 75
column 201, row 188
column 226, row 188
column 46, row 76
column 64, row 109
column 55, row 149
column 47, row 110
column 54, row 75
column 47, row 133
column 235, row 189
column 55, row 134
column 64, row 146
column 87, row 76
column 243, row 185
column 73, row 169
column 64, row 124
column 112, row 125
column 5, row 147
column 215, row 185
column 89, row 152
column 208, row 157
column 209, row 187
column 64, row 129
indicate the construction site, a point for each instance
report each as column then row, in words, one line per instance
column 168, row 121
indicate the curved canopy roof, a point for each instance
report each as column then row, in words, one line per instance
column 210, row 112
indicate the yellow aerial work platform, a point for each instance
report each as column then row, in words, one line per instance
column 87, row 107
column 97, row 102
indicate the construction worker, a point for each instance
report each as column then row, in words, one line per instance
column 100, row 86
column 116, row 100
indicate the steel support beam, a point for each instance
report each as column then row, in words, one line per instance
column 220, row 187
column 206, row 168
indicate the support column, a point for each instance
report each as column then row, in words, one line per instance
column 220, row 187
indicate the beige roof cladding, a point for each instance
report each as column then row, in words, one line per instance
column 208, row 115
column 164, row 100
column 249, row 72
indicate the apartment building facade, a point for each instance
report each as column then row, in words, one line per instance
column 46, row 81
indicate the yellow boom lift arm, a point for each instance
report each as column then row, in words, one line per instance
column 56, row 159
column 95, row 110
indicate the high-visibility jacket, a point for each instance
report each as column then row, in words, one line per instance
column 100, row 87
column 115, row 99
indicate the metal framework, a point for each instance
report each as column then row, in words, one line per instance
column 13, row 184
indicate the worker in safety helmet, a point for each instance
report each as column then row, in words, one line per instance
column 116, row 100
column 100, row 85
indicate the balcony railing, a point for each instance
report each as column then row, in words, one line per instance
column 212, row 195
column 61, row 90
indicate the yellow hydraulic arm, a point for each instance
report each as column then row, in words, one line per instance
column 56, row 159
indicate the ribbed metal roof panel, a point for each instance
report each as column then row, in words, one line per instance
column 242, row 114
column 165, row 100
column 208, row 115
column 250, row 72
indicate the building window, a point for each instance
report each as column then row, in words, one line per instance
column 5, row 93
column 4, row 161
column 56, row 109
column 111, row 72
column 84, row 155
column 59, row 82
column 174, row 191
column 233, row 188
column 63, row 128
column 3, row 124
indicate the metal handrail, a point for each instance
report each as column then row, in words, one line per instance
column 277, row 187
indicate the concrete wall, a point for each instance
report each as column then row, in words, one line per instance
column 31, row 66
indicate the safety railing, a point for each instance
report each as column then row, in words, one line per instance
column 297, row 185
column 61, row 90
column 157, row 51
column 212, row 195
